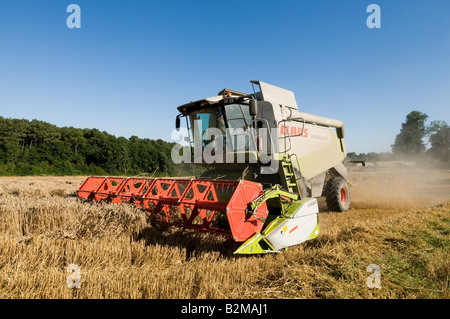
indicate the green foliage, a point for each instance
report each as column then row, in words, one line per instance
column 39, row 148
column 370, row 157
column 409, row 143
column 439, row 138
column 410, row 139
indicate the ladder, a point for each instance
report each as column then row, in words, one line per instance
column 289, row 180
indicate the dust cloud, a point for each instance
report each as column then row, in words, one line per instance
column 398, row 188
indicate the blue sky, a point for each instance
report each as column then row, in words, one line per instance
column 133, row 62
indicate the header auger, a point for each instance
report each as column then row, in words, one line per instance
column 267, row 163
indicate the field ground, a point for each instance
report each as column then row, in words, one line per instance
column 399, row 221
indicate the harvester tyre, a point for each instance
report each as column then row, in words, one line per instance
column 337, row 194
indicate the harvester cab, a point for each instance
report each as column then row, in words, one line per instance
column 266, row 164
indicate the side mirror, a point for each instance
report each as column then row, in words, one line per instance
column 177, row 123
column 253, row 107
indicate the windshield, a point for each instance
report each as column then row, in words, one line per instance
column 238, row 115
column 232, row 119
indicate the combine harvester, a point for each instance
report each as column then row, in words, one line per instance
column 266, row 164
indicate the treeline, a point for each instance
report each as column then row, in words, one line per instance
column 39, row 148
column 370, row 157
column 427, row 143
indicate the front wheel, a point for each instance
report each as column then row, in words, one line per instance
column 337, row 194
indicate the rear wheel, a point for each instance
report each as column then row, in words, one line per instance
column 337, row 194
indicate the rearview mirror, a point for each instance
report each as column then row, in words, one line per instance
column 253, row 107
column 177, row 123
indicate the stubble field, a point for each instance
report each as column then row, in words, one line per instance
column 399, row 221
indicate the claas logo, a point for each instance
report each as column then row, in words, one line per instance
column 293, row 131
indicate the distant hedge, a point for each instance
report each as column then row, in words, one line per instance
column 39, row 148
